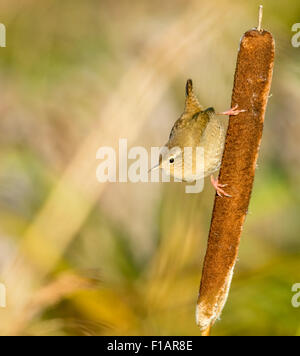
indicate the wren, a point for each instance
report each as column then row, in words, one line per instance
column 196, row 127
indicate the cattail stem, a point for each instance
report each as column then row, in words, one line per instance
column 260, row 16
column 251, row 91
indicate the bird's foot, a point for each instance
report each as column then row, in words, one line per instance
column 232, row 112
column 218, row 187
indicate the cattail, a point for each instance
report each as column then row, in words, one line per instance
column 251, row 91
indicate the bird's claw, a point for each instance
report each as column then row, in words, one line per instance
column 218, row 187
column 233, row 111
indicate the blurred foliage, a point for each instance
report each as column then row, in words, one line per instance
column 126, row 259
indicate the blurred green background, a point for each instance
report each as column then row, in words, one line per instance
column 83, row 258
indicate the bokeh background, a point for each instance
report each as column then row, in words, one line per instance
column 83, row 258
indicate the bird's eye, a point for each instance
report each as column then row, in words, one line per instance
column 172, row 160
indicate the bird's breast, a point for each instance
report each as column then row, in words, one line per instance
column 213, row 141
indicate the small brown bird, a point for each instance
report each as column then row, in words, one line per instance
column 196, row 128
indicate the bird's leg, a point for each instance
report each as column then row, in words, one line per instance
column 218, row 187
column 232, row 112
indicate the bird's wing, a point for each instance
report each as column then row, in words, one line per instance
column 200, row 122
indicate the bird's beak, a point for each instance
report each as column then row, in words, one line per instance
column 154, row 168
